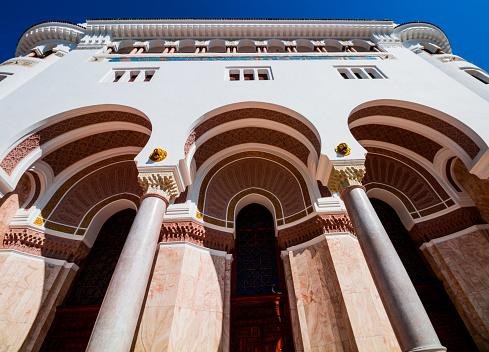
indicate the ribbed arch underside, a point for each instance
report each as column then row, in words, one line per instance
column 401, row 142
column 91, row 162
column 253, row 172
column 78, row 139
column 421, row 144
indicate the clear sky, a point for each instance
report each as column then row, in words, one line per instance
column 465, row 22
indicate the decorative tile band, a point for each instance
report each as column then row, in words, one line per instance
column 240, row 58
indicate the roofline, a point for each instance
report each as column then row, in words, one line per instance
column 205, row 28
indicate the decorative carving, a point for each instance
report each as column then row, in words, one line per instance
column 159, row 183
column 430, row 121
column 446, row 224
column 158, row 154
column 250, row 135
column 196, row 233
column 68, row 154
column 419, row 191
column 343, row 149
column 38, row 138
column 415, row 142
column 244, row 172
column 346, row 175
column 88, row 190
column 309, row 229
column 21, row 62
column 35, row 242
column 39, row 221
column 252, row 113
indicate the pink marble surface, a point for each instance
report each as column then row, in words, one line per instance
column 30, row 289
column 338, row 307
column 368, row 320
column 462, row 264
column 185, row 308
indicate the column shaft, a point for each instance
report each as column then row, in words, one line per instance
column 118, row 317
column 404, row 308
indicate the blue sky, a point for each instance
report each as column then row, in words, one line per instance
column 464, row 22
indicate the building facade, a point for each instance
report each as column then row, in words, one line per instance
column 243, row 185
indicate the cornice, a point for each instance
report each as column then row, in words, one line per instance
column 257, row 29
column 287, row 29
column 49, row 32
column 423, row 32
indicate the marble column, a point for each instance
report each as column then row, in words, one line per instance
column 119, row 314
column 406, row 312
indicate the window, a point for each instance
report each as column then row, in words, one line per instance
column 118, row 75
column 249, row 73
column 478, row 75
column 362, row 72
column 148, row 75
column 130, row 75
column 359, row 73
column 373, row 73
column 234, row 75
column 263, row 75
column 4, row 75
column 133, row 75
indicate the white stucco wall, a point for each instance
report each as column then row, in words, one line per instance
column 181, row 92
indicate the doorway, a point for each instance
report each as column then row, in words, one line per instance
column 447, row 323
column 74, row 319
column 260, row 319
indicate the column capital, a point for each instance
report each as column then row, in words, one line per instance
column 345, row 174
column 158, row 183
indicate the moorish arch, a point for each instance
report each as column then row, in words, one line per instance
column 410, row 147
column 411, row 150
column 82, row 157
column 71, row 172
column 265, row 172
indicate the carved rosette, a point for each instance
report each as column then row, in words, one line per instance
column 346, row 175
column 158, row 183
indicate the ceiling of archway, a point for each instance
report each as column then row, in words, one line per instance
column 258, row 173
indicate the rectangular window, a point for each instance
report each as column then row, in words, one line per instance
column 148, row 75
column 263, row 75
column 249, row 73
column 118, row 75
column 124, row 75
column 360, row 72
column 234, row 75
column 133, row 75
column 478, row 75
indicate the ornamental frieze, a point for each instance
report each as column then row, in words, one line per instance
column 30, row 241
column 316, row 226
column 196, row 233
